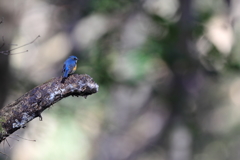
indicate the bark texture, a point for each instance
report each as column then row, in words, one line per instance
column 34, row 102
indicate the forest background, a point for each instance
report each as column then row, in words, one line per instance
column 168, row 71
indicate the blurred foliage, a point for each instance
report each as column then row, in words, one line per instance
column 108, row 6
column 167, row 90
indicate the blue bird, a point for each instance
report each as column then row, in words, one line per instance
column 69, row 67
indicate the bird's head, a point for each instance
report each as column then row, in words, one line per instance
column 73, row 58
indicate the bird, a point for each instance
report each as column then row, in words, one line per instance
column 69, row 67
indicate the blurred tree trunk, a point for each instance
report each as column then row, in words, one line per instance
column 182, row 58
column 185, row 87
column 5, row 77
column 7, row 31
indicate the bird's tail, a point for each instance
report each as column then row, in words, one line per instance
column 63, row 79
column 65, row 75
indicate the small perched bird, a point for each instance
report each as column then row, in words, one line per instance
column 69, row 67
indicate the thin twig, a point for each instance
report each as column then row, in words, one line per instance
column 4, row 154
column 8, row 52
column 18, row 52
column 33, row 140
column 14, row 138
column 7, row 143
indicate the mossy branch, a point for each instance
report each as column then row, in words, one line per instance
column 29, row 106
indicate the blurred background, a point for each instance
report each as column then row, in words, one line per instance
column 168, row 71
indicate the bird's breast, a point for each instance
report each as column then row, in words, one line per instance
column 74, row 68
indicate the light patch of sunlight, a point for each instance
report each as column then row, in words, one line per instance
column 55, row 140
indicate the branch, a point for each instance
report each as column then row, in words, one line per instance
column 17, row 114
